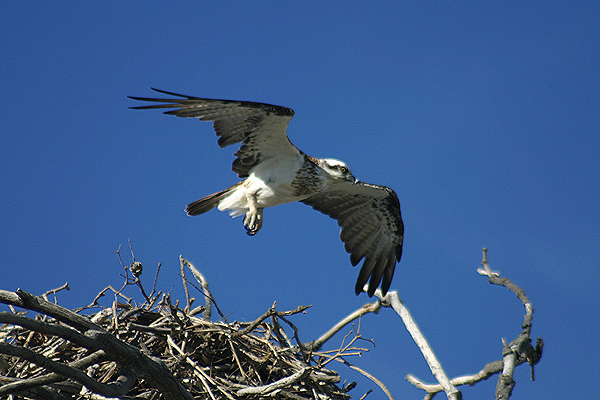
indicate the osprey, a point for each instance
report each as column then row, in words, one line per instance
column 276, row 172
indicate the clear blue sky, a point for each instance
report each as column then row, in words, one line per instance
column 484, row 117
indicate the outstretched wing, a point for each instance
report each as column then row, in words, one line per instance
column 371, row 228
column 260, row 127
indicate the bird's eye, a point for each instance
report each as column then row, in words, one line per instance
column 344, row 169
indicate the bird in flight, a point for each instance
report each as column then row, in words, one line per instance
column 276, row 172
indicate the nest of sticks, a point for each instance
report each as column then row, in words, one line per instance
column 158, row 350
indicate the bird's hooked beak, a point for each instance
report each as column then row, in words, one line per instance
column 350, row 178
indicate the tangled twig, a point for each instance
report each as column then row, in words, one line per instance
column 155, row 347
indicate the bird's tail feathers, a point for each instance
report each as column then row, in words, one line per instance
column 209, row 202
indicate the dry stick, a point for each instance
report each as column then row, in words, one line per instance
column 179, row 350
column 488, row 370
column 131, row 249
column 155, row 280
column 47, row 379
column 279, row 332
column 365, row 309
column 54, row 291
column 157, row 374
column 197, row 370
column 28, row 301
column 206, row 312
column 519, row 349
column 368, row 375
column 49, row 329
column 393, row 300
column 38, row 392
column 296, row 336
column 270, row 312
column 365, row 395
column 237, row 360
column 185, row 287
column 283, row 394
column 283, row 382
column 342, row 351
column 208, row 298
column 64, row 370
column 134, row 266
column 506, row 383
column 94, row 302
column 495, row 367
column 138, row 282
column 136, row 270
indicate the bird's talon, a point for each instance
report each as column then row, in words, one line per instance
column 253, row 223
column 251, row 230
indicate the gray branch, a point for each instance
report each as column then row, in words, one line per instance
column 129, row 357
column 514, row 354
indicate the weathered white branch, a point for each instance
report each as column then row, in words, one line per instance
column 513, row 354
column 393, row 300
column 288, row 380
column 365, row 309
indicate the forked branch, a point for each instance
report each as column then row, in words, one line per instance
column 514, row 354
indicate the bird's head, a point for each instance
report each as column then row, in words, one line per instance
column 337, row 169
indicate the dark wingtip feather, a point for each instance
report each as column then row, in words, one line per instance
column 376, row 275
column 357, row 290
column 371, row 290
column 160, row 100
column 173, row 94
column 365, row 273
column 175, row 101
column 398, row 252
column 355, row 259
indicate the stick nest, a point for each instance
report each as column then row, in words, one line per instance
column 156, row 350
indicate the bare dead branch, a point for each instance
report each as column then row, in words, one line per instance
column 195, row 346
column 49, row 329
column 95, row 338
column 514, row 354
column 136, row 269
column 25, row 384
column 200, row 358
column 270, row 312
column 155, row 280
column 365, row 309
column 185, row 287
column 54, row 291
column 283, row 382
column 131, row 249
column 208, row 298
column 393, row 300
column 371, row 377
column 64, row 370
column 520, row 349
column 28, row 301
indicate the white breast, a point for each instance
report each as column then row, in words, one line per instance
column 270, row 181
